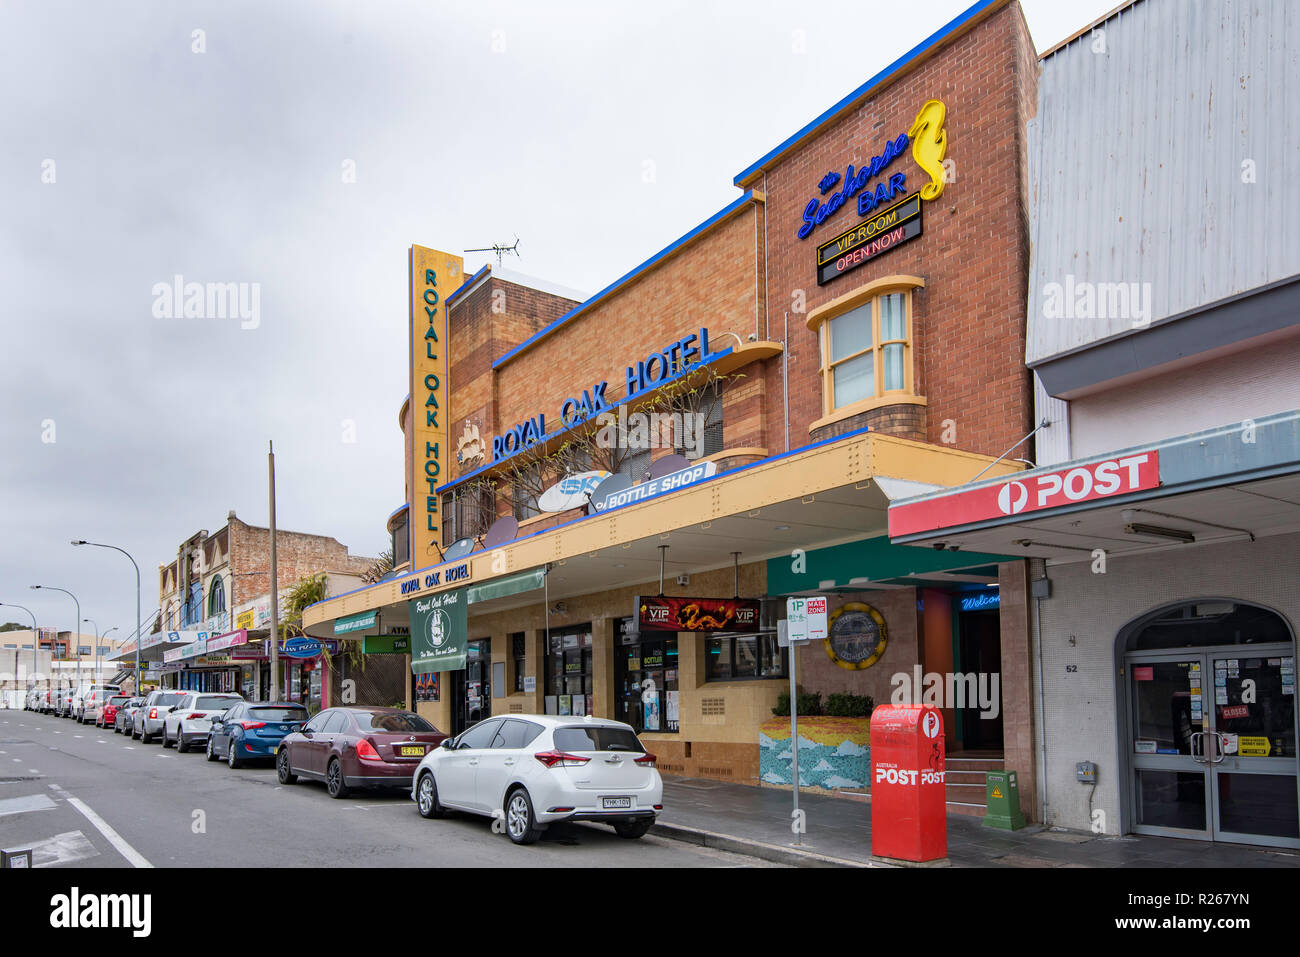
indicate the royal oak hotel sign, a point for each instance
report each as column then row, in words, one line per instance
column 434, row 276
column 892, row 216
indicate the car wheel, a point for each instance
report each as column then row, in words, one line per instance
column 146, row 737
column 166, row 742
column 181, row 747
column 334, row 780
column 426, row 797
column 521, row 824
column 282, row 769
column 209, row 752
column 632, row 829
column 135, row 735
column 231, row 760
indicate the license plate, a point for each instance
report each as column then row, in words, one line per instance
column 614, row 803
column 411, row 752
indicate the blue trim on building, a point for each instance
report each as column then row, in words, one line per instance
column 654, row 260
column 708, row 360
column 400, row 508
column 962, row 20
column 466, row 284
column 582, row 518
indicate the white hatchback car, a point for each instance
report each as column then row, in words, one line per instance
column 190, row 719
column 534, row 770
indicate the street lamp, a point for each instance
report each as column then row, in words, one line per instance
column 137, row 603
column 78, row 630
column 98, row 667
column 91, row 622
column 98, row 655
column 36, row 636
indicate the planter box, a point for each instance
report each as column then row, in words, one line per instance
column 834, row 753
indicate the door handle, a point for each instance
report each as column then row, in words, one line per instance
column 473, row 762
column 509, row 761
column 1218, row 737
column 1198, row 735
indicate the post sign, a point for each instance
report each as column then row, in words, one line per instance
column 664, row 613
column 439, row 632
column 806, row 618
column 1087, row 482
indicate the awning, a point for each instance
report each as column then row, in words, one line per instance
column 505, row 587
column 877, row 563
column 1232, row 483
column 827, row 493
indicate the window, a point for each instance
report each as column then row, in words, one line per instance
column 83, row 649
column 568, row 672
column 635, row 464
column 523, row 503
column 466, row 513
column 402, row 541
column 645, row 679
column 284, row 714
column 742, row 657
column 338, row 723
column 866, row 344
column 516, row 734
column 391, row 722
column 707, row 403
column 597, row 738
column 216, row 597
column 518, row 651
column 317, row 724
column 479, row 736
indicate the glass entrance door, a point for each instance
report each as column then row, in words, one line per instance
column 1213, row 744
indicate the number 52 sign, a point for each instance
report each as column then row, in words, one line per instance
column 806, row 618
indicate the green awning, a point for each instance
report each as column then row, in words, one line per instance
column 869, row 560
column 509, row 585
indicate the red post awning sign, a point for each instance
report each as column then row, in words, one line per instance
column 1107, row 478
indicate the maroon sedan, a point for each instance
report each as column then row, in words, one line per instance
column 357, row 748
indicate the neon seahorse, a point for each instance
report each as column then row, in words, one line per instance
column 929, row 143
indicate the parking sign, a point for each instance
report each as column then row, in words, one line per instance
column 806, row 618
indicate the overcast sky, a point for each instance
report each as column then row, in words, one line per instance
column 129, row 158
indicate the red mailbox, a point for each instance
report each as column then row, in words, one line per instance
column 908, row 807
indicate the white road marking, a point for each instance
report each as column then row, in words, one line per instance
column 30, row 802
column 59, row 849
column 128, row 747
column 33, row 771
column 16, row 760
column 76, row 735
column 119, row 843
column 101, row 741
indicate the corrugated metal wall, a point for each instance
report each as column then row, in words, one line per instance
column 1136, row 161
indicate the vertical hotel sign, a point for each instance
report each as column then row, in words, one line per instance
column 434, row 276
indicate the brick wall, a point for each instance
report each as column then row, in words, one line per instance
column 970, row 318
column 297, row 555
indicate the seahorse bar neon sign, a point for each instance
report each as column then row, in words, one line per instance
column 928, row 141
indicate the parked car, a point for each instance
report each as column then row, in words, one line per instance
column 149, row 716
column 124, row 720
column 92, row 702
column 108, row 714
column 63, row 704
column 538, row 769
column 191, row 719
column 357, row 748
column 33, row 700
column 253, row 731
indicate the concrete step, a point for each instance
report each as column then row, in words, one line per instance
column 968, row 810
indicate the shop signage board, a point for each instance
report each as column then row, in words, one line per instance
column 571, row 491
column 665, row 483
column 361, row 622
column 1089, row 482
column 439, row 632
column 228, row 640
column 302, row 647
column 434, row 275
column 806, row 618
column 673, row 613
column 385, row 644
column 864, row 242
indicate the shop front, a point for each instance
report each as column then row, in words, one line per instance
column 757, row 392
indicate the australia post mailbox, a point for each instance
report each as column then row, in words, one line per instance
column 908, row 807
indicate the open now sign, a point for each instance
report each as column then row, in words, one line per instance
column 806, row 618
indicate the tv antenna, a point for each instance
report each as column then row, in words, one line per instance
column 499, row 249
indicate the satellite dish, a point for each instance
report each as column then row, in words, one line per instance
column 504, row 529
column 668, row 465
column 458, row 549
column 615, row 483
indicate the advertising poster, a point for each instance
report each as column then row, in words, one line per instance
column 650, row 701
column 579, row 704
column 663, row 613
column 670, row 710
column 439, row 632
column 566, row 704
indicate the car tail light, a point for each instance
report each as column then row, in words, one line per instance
column 195, row 716
column 561, row 759
column 558, row 810
column 366, row 751
column 646, row 760
column 153, row 712
column 250, row 725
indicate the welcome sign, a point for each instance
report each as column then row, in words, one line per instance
column 439, row 632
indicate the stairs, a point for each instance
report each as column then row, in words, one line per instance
column 964, row 783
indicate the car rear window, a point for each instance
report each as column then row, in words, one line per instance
column 278, row 714
column 169, row 700
column 394, row 722
column 597, row 738
column 118, row 699
column 215, row 703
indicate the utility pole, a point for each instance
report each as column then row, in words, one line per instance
column 275, row 591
